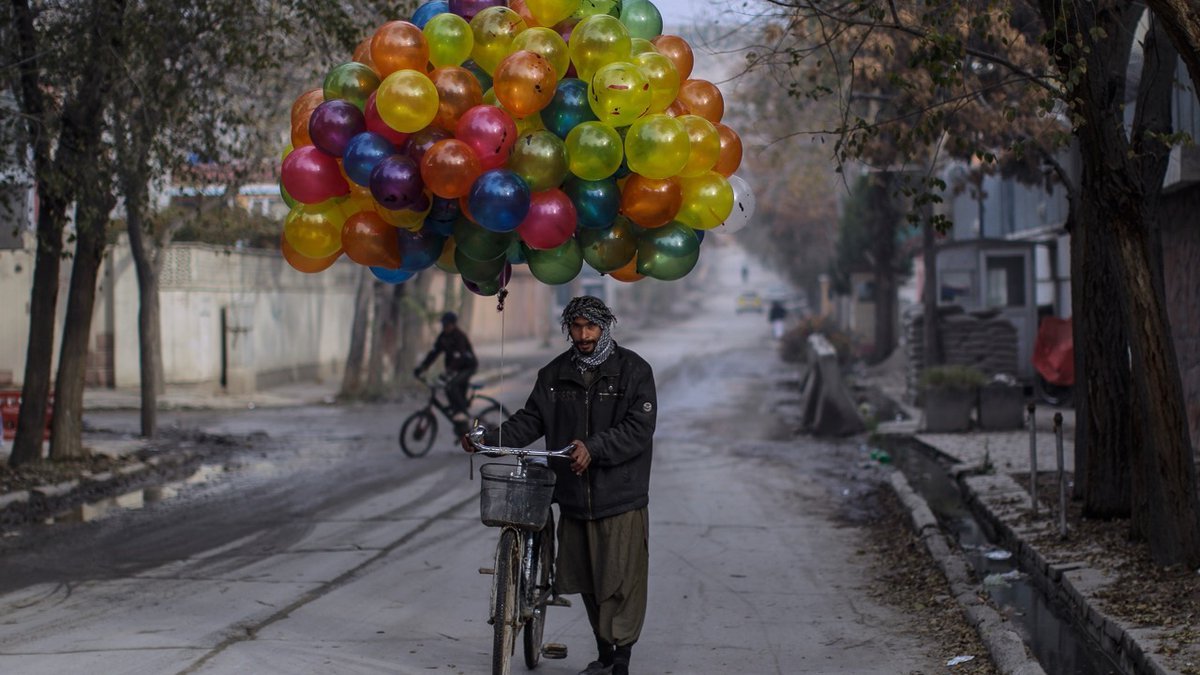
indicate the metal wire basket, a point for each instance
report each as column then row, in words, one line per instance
column 508, row 496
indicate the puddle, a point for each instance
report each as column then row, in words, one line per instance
column 1054, row 640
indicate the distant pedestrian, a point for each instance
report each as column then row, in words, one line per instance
column 745, row 273
column 775, row 315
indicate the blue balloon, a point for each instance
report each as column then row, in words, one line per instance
column 597, row 202
column 700, row 235
column 420, row 249
column 363, row 153
column 429, row 10
column 499, row 200
column 442, row 215
column 569, row 108
column 391, row 276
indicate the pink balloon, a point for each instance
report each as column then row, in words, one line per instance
column 311, row 176
column 551, row 220
column 490, row 132
column 376, row 124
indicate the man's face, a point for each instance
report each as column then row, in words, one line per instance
column 584, row 334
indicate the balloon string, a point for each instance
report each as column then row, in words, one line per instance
column 503, row 295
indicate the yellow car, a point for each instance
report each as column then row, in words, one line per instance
column 749, row 302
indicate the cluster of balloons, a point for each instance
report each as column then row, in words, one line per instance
column 481, row 134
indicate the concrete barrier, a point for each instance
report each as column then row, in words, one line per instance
column 829, row 409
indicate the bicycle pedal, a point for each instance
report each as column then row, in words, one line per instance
column 554, row 650
column 487, row 570
column 558, row 601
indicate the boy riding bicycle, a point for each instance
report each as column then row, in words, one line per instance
column 460, row 365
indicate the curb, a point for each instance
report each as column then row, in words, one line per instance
column 1068, row 582
column 999, row 636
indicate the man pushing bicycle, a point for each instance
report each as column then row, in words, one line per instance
column 600, row 397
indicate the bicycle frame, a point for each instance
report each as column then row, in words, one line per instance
column 444, row 407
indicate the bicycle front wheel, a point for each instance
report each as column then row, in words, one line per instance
column 417, row 433
column 537, row 590
column 504, row 609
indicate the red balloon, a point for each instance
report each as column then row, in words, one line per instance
column 311, row 176
column 368, row 240
column 490, row 132
column 551, row 220
column 376, row 124
column 305, row 264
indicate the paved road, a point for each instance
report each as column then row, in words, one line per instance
column 325, row 550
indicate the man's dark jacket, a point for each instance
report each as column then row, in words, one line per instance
column 615, row 417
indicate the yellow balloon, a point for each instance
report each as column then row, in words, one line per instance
column 597, row 41
column 529, row 124
column 450, row 39
column 550, row 12
column 639, row 45
column 314, row 230
column 707, row 201
column 619, row 94
column 407, row 101
column 549, row 44
column 593, row 150
column 706, row 145
column 495, row 28
column 660, row 72
column 657, row 146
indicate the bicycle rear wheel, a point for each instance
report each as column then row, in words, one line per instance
column 488, row 411
column 505, row 609
column 537, row 589
column 417, row 433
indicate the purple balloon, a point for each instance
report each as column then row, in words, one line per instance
column 396, row 183
column 423, row 140
column 469, row 8
column 364, row 152
column 333, row 124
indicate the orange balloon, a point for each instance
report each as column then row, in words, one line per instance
column 650, row 202
column 524, row 83
column 449, row 168
column 703, row 98
column 679, row 51
column 368, row 240
column 362, row 54
column 399, row 45
column 731, row 151
column 458, row 91
column 302, row 109
column 520, row 8
column 628, row 273
column 677, row 109
column 304, row 264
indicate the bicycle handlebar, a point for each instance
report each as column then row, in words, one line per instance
column 475, row 437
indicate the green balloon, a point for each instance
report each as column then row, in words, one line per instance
column 593, row 7
column 478, row 242
column 540, row 158
column 669, row 252
column 353, row 81
column 479, row 271
column 557, row 265
column 611, row 248
column 484, row 287
column 642, row 19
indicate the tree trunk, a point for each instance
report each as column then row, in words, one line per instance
column 66, row 438
column 931, row 349
column 145, row 265
column 381, row 300
column 885, row 220
column 352, row 378
column 413, row 321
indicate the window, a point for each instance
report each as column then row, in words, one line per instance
column 1006, row 281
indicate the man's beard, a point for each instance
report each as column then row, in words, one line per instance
column 585, row 346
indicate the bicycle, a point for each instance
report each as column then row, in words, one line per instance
column 419, row 429
column 516, row 498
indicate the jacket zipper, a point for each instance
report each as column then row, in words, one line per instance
column 587, row 431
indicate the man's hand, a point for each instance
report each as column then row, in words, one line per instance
column 466, row 443
column 580, row 457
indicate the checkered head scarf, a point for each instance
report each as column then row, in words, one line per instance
column 594, row 310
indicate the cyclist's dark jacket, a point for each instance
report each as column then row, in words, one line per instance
column 457, row 348
column 615, row 417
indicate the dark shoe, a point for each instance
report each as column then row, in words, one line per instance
column 597, row 668
column 619, row 668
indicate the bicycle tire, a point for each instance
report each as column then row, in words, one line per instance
column 492, row 414
column 505, row 609
column 417, row 433
column 536, row 626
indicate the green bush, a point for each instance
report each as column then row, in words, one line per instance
column 964, row 378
